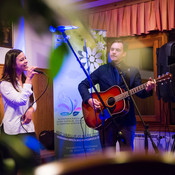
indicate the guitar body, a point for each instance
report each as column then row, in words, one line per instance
column 92, row 118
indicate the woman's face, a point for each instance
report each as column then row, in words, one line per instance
column 21, row 63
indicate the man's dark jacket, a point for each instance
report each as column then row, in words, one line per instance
column 107, row 76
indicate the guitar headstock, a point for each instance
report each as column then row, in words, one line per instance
column 164, row 77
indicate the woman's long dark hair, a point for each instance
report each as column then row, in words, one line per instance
column 9, row 72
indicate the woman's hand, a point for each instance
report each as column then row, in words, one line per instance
column 30, row 74
column 28, row 116
column 95, row 102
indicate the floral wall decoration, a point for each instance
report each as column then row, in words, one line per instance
column 96, row 54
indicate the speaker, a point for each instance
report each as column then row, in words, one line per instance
column 166, row 63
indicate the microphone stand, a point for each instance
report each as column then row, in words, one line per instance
column 146, row 126
column 105, row 112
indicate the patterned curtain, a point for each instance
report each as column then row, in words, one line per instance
column 136, row 19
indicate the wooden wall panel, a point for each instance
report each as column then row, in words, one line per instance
column 43, row 116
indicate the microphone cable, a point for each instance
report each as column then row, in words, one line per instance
column 35, row 101
column 83, row 136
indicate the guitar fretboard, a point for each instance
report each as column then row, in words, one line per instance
column 132, row 91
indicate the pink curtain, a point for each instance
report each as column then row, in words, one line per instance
column 135, row 19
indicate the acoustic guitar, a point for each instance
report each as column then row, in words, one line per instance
column 115, row 101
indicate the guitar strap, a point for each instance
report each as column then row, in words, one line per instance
column 125, row 71
column 126, row 74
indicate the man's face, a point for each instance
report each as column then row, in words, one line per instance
column 117, row 53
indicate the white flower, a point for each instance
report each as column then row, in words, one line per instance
column 94, row 59
column 93, row 34
column 100, row 46
column 102, row 33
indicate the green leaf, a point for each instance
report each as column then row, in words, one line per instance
column 56, row 59
column 9, row 165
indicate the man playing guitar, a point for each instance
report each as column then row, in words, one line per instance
column 107, row 76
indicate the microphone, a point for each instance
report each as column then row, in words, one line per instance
column 62, row 28
column 38, row 71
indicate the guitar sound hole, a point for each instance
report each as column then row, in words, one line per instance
column 111, row 101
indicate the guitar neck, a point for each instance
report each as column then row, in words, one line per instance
column 132, row 92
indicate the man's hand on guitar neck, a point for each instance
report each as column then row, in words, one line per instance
column 150, row 84
column 94, row 103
